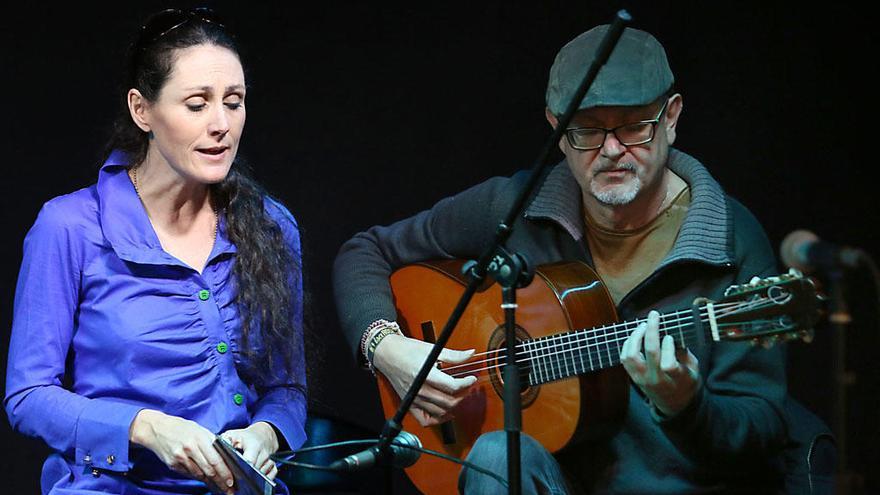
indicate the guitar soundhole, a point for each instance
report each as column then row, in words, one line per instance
column 497, row 342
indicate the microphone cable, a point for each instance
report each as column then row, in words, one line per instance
column 284, row 457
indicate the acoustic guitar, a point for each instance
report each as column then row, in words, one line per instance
column 568, row 350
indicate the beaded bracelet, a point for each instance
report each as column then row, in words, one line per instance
column 375, row 339
column 370, row 330
column 374, row 334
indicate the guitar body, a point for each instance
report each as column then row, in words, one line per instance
column 562, row 297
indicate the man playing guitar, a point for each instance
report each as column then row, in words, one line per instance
column 660, row 232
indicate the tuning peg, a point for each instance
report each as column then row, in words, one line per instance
column 769, row 342
column 807, row 335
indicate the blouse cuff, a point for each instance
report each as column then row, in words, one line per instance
column 102, row 435
column 288, row 420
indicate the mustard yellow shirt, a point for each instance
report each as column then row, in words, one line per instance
column 624, row 258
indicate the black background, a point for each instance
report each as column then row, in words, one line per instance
column 363, row 113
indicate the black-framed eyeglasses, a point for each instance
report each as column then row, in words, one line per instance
column 168, row 20
column 593, row 138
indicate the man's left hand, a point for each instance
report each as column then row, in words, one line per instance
column 669, row 377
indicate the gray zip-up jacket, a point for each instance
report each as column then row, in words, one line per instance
column 728, row 438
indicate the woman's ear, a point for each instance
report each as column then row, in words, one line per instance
column 139, row 108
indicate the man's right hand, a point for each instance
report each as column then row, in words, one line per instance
column 183, row 445
column 399, row 359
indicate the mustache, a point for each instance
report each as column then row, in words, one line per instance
column 615, row 166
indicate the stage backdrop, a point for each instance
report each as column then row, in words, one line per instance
column 360, row 114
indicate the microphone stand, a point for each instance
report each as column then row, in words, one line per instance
column 843, row 379
column 510, row 268
column 520, row 275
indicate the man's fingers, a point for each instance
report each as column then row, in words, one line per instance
column 455, row 357
column 652, row 340
column 429, row 407
column 668, row 362
column 422, row 416
column 690, row 362
column 624, row 350
column 631, row 353
column 438, row 398
column 446, row 383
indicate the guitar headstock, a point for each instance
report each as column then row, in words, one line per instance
column 770, row 310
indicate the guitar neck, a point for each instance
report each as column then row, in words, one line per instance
column 563, row 355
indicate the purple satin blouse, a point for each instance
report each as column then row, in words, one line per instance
column 106, row 323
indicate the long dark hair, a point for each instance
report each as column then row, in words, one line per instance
column 264, row 268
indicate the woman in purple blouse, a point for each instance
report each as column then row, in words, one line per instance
column 163, row 304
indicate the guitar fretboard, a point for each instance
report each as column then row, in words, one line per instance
column 563, row 355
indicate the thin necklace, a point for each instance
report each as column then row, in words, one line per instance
column 134, row 180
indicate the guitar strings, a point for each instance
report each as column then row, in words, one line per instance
column 611, row 359
column 585, row 334
column 668, row 323
column 554, row 370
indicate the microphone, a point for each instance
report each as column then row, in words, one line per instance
column 804, row 250
column 401, row 457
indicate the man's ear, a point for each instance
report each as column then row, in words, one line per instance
column 139, row 108
column 673, row 112
column 553, row 123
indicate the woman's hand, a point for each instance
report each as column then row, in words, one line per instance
column 184, row 445
column 256, row 443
